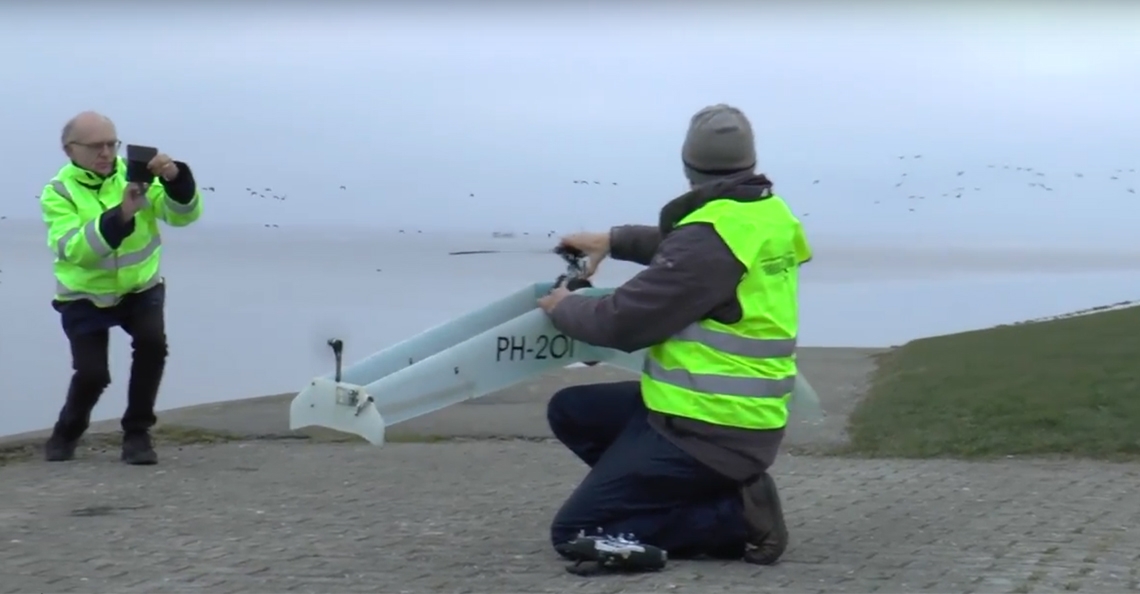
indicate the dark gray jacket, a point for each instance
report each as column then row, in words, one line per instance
column 690, row 275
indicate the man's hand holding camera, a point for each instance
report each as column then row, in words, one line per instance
column 134, row 200
column 163, row 166
column 134, row 195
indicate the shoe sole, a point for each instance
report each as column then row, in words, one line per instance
column 772, row 547
column 140, row 461
column 578, row 551
column 635, row 561
column 59, row 454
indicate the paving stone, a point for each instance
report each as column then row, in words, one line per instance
column 267, row 516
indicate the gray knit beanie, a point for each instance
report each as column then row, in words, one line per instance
column 719, row 143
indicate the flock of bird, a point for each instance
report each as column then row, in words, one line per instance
column 963, row 183
column 1032, row 177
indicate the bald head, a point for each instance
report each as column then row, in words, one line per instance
column 91, row 141
column 83, row 124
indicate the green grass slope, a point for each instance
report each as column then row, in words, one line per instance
column 1062, row 387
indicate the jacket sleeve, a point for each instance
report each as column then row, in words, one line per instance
column 693, row 272
column 634, row 243
column 177, row 202
column 73, row 239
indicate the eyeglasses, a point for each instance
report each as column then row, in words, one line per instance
column 112, row 145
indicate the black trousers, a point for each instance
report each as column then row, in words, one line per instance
column 640, row 483
column 140, row 315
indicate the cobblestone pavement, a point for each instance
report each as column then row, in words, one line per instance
column 472, row 517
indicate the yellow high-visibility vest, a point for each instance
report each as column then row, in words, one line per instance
column 738, row 375
column 86, row 267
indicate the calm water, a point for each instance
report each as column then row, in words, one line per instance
column 250, row 307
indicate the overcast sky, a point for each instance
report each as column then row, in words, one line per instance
column 415, row 111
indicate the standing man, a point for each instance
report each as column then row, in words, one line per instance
column 680, row 458
column 105, row 235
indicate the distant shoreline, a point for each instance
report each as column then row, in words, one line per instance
column 1080, row 312
column 574, row 370
column 186, row 415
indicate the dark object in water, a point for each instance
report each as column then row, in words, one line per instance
column 472, row 252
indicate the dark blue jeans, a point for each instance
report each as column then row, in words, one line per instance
column 88, row 332
column 639, row 482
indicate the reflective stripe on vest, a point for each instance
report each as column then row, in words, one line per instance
column 63, row 293
column 61, row 189
column 743, row 387
column 743, row 346
column 756, row 348
column 111, row 260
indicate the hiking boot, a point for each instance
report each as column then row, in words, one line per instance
column 764, row 519
column 138, row 450
column 59, row 449
column 611, row 554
